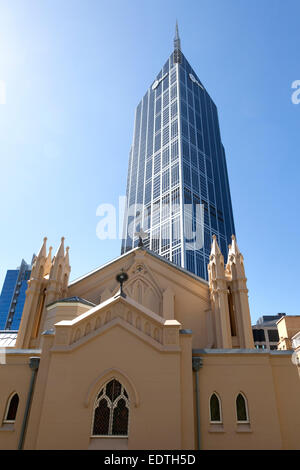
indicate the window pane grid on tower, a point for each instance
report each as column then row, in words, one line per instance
column 165, row 157
column 174, row 150
column 176, row 256
column 165, row 185
column 175, row 231
column 155, row 214
column 165, row 237
column 166, row 99
column 173, row 92
column 166, row 133
column 155, row 239
column 165, row 208
column 175, row 201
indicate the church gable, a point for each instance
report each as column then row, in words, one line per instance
column 142, row 285
column 143, row 288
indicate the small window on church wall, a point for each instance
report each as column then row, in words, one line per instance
column 215, row 409
column 241, row 409
column 111, row 411
column 12, row 408
column 231, row 313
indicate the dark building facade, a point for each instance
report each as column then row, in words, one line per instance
column 177, row 186
column 13, row 296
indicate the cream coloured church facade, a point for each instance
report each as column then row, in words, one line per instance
column 166, row 363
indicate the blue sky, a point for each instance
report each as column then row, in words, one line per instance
column 74, row 72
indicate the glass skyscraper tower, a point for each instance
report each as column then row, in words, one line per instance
column 12, row 297
column 176, row 164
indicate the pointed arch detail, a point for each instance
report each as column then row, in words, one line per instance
column 215, row 408
column 105, row 377
column 241, row 407
column 11, row 409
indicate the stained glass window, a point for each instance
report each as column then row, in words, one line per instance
column 111, row 411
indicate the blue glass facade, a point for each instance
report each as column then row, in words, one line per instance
column 177, row 162
column 12, row 297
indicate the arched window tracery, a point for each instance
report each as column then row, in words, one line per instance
column 111, row 411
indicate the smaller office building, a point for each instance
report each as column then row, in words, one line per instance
column 288, row 330
column 265, row 332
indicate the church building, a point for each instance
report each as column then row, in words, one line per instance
column 142, row 354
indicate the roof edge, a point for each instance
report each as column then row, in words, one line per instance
column 151, row 253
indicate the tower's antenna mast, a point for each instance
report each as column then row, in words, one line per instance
column 177, row 47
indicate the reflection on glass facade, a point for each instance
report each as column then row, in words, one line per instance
column 177, row 162
column 12, row 297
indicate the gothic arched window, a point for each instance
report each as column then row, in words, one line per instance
column 111, row 411
column 11, row 409
column 242, row 409
column 215, row 409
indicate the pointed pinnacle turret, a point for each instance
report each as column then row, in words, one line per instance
column 216, row 263
column 43, row 250
column 234, row 249
column 37, row 269
column 61, row 250
column 215, row 250
column 48, row 262
column 177, row 45
column 67, row 261
column 58, row 262
column 235, row 262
